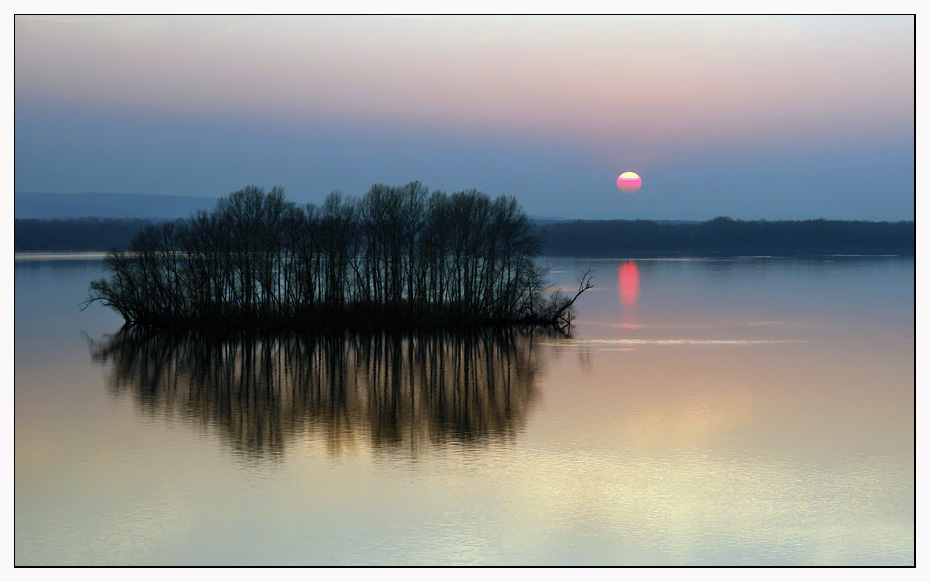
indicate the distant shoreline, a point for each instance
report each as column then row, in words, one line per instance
column 578, row 238
column 24, row 257
column 59, row 256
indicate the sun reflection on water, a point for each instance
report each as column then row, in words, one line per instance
column 628, row 292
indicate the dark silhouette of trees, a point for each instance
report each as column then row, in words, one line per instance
column 399, row 256
column 724, row 235
column 721, row 235
column 79, row 234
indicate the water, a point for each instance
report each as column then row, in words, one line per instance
column 757, row 411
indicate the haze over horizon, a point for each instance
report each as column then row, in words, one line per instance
column 776, row 117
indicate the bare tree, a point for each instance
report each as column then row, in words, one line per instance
column 398, row 255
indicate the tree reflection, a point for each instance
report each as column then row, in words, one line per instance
column 397, row 391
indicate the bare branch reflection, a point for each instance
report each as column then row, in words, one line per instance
column 400, row 392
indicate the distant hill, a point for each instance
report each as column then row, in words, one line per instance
column 148, row 206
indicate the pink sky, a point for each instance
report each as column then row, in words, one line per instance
column 640, row 91
column 687, row 78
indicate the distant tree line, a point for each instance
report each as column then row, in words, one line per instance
column 721, row 235
column 399, row 255
column 725, row 235
column 77, row 234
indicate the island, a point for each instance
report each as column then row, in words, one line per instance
column 399, row 256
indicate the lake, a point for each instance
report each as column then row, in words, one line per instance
column 746, row 411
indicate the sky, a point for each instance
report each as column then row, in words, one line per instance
column 753, row 117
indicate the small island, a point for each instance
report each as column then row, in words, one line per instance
column 400, row 256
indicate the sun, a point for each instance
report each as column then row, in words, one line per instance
column 629, row 182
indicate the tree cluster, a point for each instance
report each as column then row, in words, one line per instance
column 76, row 234
column 399, row 255
column 575, row 238
column 724, row 235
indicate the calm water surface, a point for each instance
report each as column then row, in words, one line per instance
column 756, row 411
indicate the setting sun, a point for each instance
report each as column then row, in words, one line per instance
column 629, row 182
